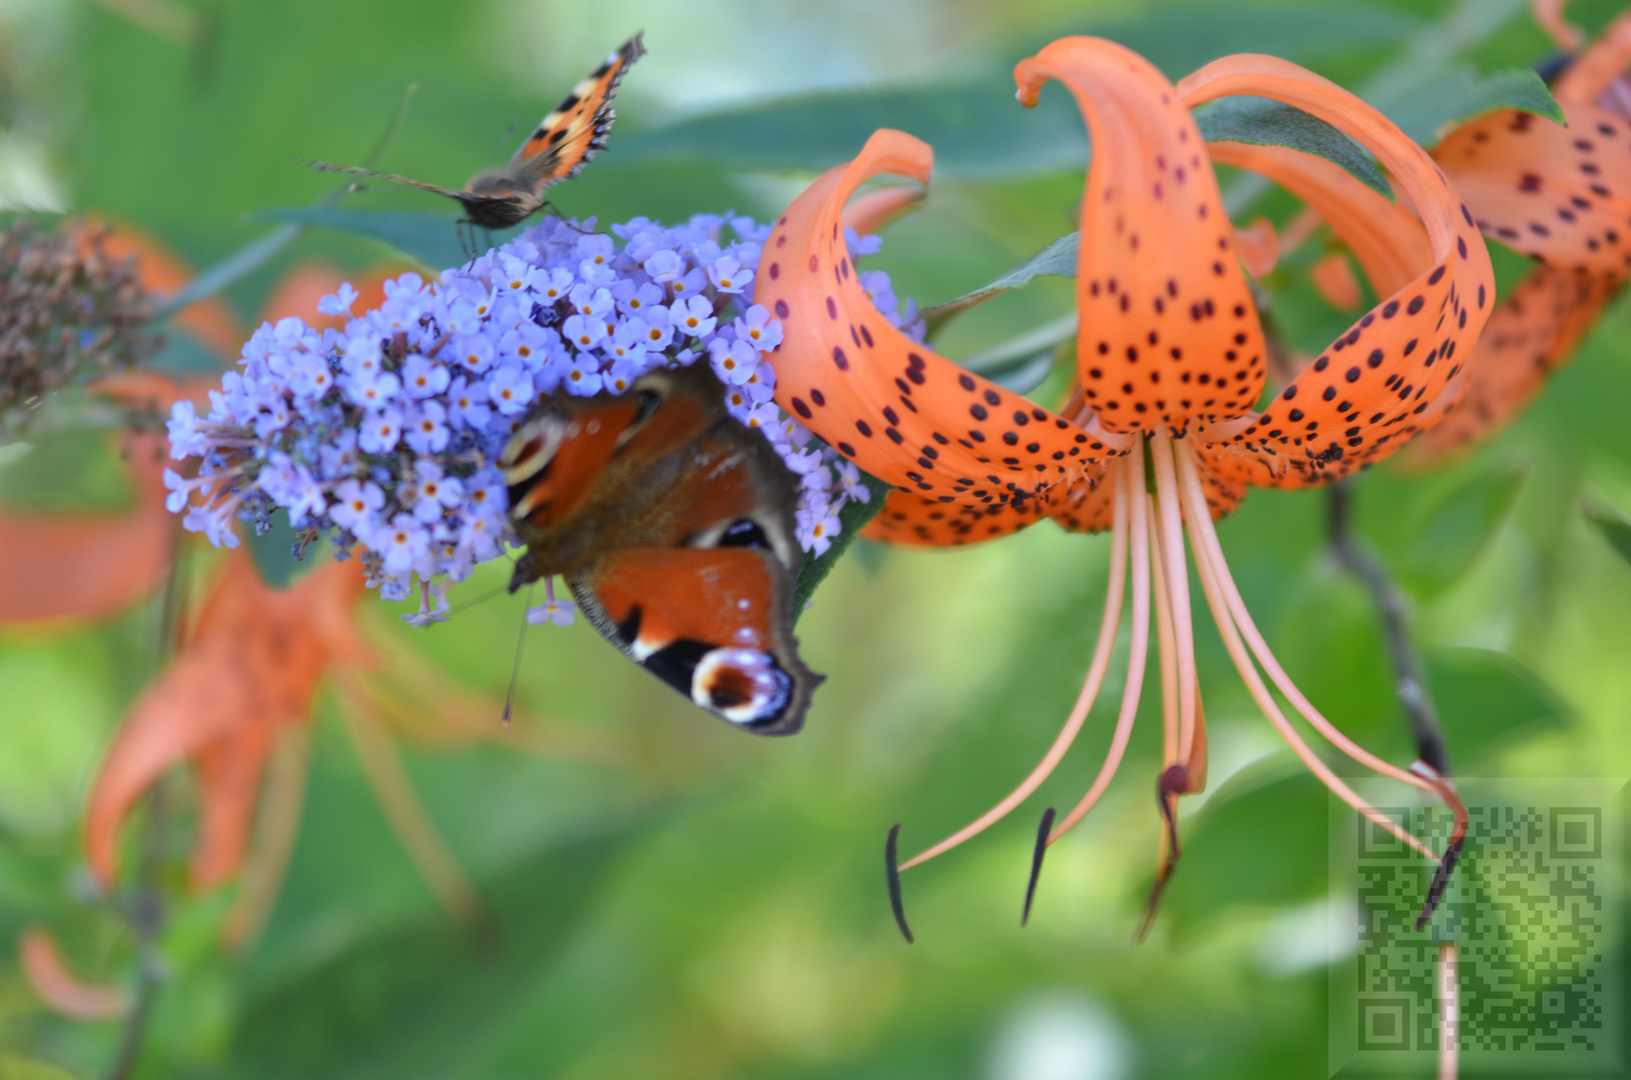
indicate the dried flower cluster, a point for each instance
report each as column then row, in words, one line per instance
column 69, row 313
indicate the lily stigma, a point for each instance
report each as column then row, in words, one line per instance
column 1160, row 434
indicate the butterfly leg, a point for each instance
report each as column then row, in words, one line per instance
column 467, row 242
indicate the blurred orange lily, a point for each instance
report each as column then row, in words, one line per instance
column 238, row 697
column 1558, row 195
column 247, row 673
column 1170, row 362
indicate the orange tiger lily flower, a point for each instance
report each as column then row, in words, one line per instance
column 1170, row 362
column 1561, row 195
column 247, row 674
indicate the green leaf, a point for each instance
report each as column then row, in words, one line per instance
column 1262, row 122
column 852, row 519
column 973, row 123
column 1448, row 537
column 1329, row 639
column 976, row 128
column 273, row 552
column 1486, row 699
column 422, row 1000
column 1458, row 94
column 1058, row 259
column 1178, row 38
column 1261, row 841
column 1023, row 363
column 258, row 252
column 428, row 238
column 13, row 1067
column 1615, row 529
column 183, row 355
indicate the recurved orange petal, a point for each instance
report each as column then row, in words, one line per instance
column 872, row 211
column 1530, row 333
column 1385, row 238
column 1590, row 74
column 60, row 987
column 903, row 413
column 89, row 566
column 249, row 670
column 1361, row 399
column 228, row 774
column 1259, row 247
column 1334, row 278
column 1169, row 331
column 1558, row 194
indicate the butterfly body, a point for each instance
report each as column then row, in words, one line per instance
column 673, row 525
column 557, row 150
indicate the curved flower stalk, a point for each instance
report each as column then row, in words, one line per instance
column 1170, row 365
column 384, row 434
column 1559, row 195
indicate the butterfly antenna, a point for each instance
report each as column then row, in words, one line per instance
column 515, row 672
column 391, row 128
column 503, row 141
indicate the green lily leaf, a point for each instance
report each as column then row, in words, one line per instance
column 1261, row 122
column 1448, row 537
column 1058, row 259
column 975, row 127
column 1459, row 94
column 258, row 252
column 1261, row 842
column 1486, row 699
column 426, row 237
column 1615, row 529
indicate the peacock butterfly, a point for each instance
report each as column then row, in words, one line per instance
column 672, row 522
column 557, row 150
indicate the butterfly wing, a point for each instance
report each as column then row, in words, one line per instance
column 713, row 623
column 673, row 524
column 568, row 137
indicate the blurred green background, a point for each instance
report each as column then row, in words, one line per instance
column 672, row 899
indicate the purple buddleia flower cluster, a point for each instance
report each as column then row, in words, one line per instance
column 384, row 436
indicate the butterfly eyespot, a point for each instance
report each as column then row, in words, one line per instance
column 743, row 685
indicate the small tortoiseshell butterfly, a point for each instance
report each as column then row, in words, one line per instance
column 560, row 147
column 673, row 524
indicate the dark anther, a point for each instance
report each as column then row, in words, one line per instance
column 1173, row 782
column 891, row 864
column 1042, row 832
column 1441, row 880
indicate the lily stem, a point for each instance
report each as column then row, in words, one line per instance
column 146, row 911
column 1409, row 681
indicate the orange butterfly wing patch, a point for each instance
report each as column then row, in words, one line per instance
column 570, row 135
